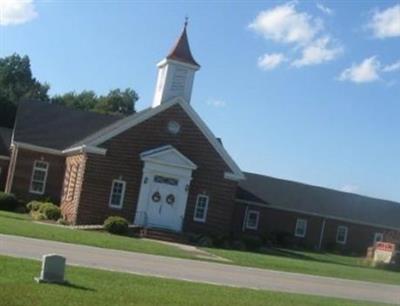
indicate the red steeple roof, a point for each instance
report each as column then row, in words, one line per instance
column 181, row 51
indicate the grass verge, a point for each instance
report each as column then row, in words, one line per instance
column 95, row 287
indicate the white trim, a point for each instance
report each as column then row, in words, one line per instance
column 236, row 172
column 298, row 222
column 166, row 61
column 346, row 230
column 23, row 145
column 2, row 157
column 85, row 149
column 134, row 119
column 207, row 199
column 314, row 214
column 11, row 169
column 249, row 212
column 151, row 156
column 72, row 150
column 122, row 125
column 321, row 236
column 121, row 201
column 44, row 182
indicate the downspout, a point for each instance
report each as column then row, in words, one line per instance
column 321, row 237
column 11, row 170
column 245, row 219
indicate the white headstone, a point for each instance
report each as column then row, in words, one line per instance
column 53, row 269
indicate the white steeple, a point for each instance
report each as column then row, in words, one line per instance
column 176, row 72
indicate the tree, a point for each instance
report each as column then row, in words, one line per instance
column 118, row 101
column 17, row 84
column 115, row 102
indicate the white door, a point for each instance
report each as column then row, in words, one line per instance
column 164, row 203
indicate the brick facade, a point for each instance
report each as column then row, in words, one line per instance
column 21, row 178
column 273, row 221
column 122, row 161
column 3, row 173
column 74, row 173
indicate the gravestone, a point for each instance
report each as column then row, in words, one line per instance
column 53, row 269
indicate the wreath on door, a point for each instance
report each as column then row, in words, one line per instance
column 170, row 199
column 156, row 197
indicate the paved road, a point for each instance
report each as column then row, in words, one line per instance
column 198, row 271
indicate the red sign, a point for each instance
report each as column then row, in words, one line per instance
column 385, row 246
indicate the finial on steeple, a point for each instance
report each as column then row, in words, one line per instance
column 186, row 21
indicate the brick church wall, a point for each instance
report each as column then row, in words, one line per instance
column 122, row 161
column 23, row 173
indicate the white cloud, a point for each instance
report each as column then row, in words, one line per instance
column 303, row 32
column 270, row 61
column 366, row 71
column 285, row 24
column 14, row 12
column 392, row 67
column 350, row 188
column 317, row 52
column 216, row 103
column 324, row 9
column 386, row 23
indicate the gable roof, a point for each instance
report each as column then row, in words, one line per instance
column 5, row 141
column 118, row 127
column 313, row 200
column 54, row 126
column 181, row 50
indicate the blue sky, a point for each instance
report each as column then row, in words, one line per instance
column 307, row 91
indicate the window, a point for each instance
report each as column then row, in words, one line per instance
column 378, row 237
column 252, row 219
column 117, row 194
column 301, row 228
column 200, row 211
column 39, row 177
column 341, row 234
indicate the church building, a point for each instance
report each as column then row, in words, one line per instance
column 164, row 168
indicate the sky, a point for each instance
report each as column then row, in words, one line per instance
column 303, row 90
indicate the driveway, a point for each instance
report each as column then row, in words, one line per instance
column 199, row 271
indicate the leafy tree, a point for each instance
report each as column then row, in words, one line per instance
column 17, row 84
column 118, row 101
column 115, row 102
column 86, row 100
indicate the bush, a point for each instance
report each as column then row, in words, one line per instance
column 50, row 211
column 8, row 201
column 116, row 225
column 33, row 206
column 37, row 216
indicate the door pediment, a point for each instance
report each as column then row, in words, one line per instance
column 168, row 156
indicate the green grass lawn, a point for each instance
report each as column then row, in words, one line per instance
column 281, row 260
column 95, row 287
column 22, row 225
column 311, row 263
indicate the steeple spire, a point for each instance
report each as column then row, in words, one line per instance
column 176, row 72
column 181, row 50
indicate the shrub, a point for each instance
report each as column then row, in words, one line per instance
column 33, row 206
column 38, row 216
column 8, row 201
column 50, row 211
column 116, row 225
